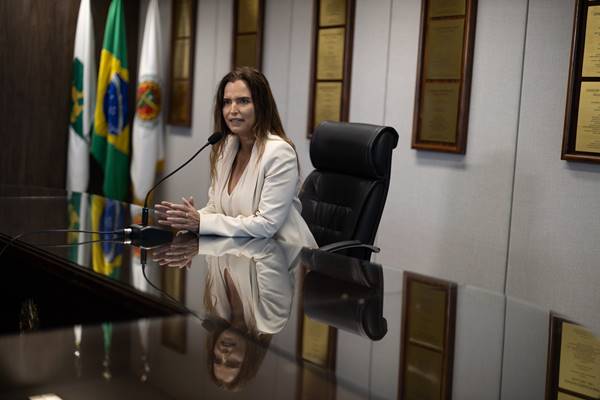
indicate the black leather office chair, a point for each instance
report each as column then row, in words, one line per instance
column 343, row 198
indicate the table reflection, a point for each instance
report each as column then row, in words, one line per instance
column 72, row 325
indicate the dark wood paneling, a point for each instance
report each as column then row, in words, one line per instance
column 36, row 49
column 36, row 55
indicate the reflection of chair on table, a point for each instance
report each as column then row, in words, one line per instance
column 346, row 293
column 344, row 197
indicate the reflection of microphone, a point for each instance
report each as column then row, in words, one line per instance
column 149, row 236
column 146, row 236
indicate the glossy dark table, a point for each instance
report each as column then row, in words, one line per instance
column 229, row 320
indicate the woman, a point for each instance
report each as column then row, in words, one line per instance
column 254, row 170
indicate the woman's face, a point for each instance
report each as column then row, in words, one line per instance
column 229, row 352
column 238, row 109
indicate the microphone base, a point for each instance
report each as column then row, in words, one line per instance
column 147, row 237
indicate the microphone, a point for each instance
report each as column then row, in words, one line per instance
column 143, row 235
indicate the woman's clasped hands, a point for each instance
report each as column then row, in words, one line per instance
column 178, row 216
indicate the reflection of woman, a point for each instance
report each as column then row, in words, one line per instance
column 248, row 298
column 254, row 170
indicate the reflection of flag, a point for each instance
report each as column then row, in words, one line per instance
column 110, row 140
column 147, row 152
column 78, row 220
column 107, row 256
column 107, row 330
column 82, row 101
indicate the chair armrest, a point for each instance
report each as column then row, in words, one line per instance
column 348, row 244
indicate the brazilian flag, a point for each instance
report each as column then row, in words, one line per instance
column 110, row 139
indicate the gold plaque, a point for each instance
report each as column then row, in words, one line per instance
column 587, row 137
column 180, row 106
column 579, row 370
column 423, row 380
column 332, row 12
column 181, row 58
column 446, row 8
column 330, row 54
column 427, row 315
column 444, row 49
column 247, row 16
column 439, row 113
column 328, row 102
column 315, row 341
column 183, row 16
column 245, row 51
column 591, row 50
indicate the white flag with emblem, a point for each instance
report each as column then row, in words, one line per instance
column 82, row 101
column 148, row 127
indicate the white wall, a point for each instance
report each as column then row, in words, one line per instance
column 448, row 215
column 508, row 215
column 554, row 257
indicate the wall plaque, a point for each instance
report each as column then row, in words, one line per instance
column 331, row 66
column 573, row 370
column 444, row 75
column 248, row 16
column 183, row 23
column 581, row 137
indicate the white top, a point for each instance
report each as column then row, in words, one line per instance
column 264, row 202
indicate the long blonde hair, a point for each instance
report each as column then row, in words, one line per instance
column 265, row 111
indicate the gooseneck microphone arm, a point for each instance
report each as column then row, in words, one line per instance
column 214, row 138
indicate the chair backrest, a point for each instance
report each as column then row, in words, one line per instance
column 344, row 197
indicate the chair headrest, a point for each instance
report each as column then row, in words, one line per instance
column 351, row 148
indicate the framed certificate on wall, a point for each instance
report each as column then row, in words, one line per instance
column 332, row 60
column 248, row 16
column 444, row 75
column 573, row 370
column 581, row 136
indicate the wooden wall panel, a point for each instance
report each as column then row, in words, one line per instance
column 36, row 51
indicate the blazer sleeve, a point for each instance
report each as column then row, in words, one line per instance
column 278, row 191
column 210, row 207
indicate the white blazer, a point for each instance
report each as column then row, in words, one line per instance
column 264, row 202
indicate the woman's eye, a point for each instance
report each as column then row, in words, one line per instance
column 226, row 102
column 245, row 100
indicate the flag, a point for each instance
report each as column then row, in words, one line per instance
column 110, row 140
column 82, row 101
column 147, row 149
column 107, row 255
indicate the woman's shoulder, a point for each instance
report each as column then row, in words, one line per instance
column 277, row 142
